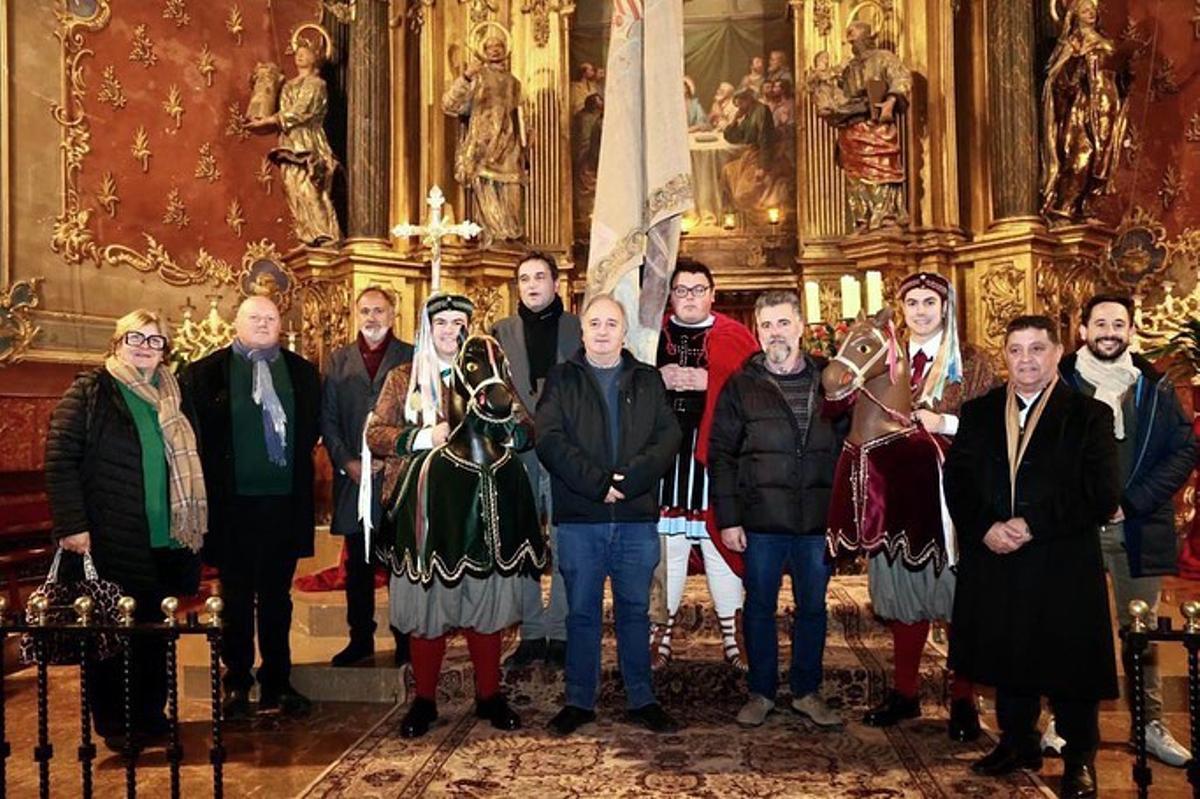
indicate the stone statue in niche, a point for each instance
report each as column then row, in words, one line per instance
column 305, row 160
column 490, row 157
column 862, row 99
column 1084, row 113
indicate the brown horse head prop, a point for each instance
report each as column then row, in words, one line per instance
column 871, row 366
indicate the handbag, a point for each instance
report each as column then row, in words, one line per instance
column 63, row 649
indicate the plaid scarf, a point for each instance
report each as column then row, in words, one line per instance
column 185, row 477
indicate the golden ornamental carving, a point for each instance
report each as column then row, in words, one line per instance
column 207, row 65
column 823, row 16
column 158, row 261
column 235, row 24
column 325, row 314
column 480, row 10
column 1171, row 187
column 1133, row 144
column 236, row 122
column 141, row 148
column 111, row 91
column 176, row 213
column 541, row 10
column 176, row 11
column 193, row 340
column 342, row 11
column 142, row 51
column 17, row 330
column 1063, row 288
column 265, row 175
column 1163, row 81
column 414, row 14
column 1192, row 134
column 173, row 105
column 71, row 26
column 1002, row 292
column 206, row 165
column 214, row 270
column 234, row 217
column 71, row 233
column 487, row 301
column 107, row 196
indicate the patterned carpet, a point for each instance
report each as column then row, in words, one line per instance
column 710, row 757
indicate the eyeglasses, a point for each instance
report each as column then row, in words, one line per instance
column 690, row 291
column 155, row 342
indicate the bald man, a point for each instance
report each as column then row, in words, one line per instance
column 256, row 408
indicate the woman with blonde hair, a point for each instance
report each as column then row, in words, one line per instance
column 125, row 486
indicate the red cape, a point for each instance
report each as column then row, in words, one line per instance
column 727, row 346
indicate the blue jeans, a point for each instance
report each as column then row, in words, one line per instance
column 766, row 555
column 587, row 554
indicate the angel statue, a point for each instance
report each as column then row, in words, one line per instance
column 1084, row 110
column 490, row 158
column 304, row 157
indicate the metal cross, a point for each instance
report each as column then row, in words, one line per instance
column 434, row 230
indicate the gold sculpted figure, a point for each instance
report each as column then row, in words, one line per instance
column 1084, row 113
column 490, row 158
column 305, row 160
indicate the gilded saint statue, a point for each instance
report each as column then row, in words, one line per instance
column 305, row 160
column 1084, row 112
column 861, row 99
column 490, row 159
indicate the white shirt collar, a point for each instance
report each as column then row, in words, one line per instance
column 930, row 347
column 707, row 322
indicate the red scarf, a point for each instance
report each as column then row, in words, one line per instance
column 373, row 358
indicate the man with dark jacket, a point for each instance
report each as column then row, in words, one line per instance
column 1157, row 452
column 352, row 382
column 1031, row 476
column 255, row 408
column 772, row 455
column 606, row 435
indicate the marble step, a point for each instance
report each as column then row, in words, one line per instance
column 323, row 615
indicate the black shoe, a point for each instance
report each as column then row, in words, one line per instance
column 287, row 701
column 556, row 653
column 237, row 705
column 420, row 716
column 1005, row 760
column 155, row 728
column 496, row 710
column 355, row 652
column 569, row 719
column 653, row 718
column 116, row 743
column 1078, row 782
column 964, row 721
column 895, row 708
column 526, row 654
column 401, row 656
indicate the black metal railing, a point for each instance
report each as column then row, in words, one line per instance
column 1137, row 638
column 75, row 622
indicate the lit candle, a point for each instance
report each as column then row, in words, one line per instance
column 874, row 291
column 812, row 301
column 773, row 215
column 730, row 220
column 851, row 297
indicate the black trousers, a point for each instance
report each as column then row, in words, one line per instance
column 1078, row 721
column 360, row 594
column 256, row 584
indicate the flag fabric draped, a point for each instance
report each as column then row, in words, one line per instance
column 644, row 181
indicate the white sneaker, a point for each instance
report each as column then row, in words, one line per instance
column 1052, row 742
column 1161, row 744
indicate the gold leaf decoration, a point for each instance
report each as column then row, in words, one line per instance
column 71, row 235
column 234, row 217
column 176, row 213
column 1192, row 133
column 107, row 196
column 235, row 25
column 236, row 122
column 111, row 91
column 19, row 330
column 264, row 175
column 141, row 148
column 215, row 269
column 173, row 105
column 177, row 10
column 207, row 65
column 206, row 166
column 1171, row 187
column 143, row 48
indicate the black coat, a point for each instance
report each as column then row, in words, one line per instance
column 573, row 442
column 94, row 484
column 347, row 395
column 1035, row 619
column 205, row 385
column 1165, row 454
column 761, row 476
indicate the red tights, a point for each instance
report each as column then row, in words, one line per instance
column 427, row 654
column 908, row 641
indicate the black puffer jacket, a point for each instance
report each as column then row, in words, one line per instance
column 574, row 446
column 94, row 483
column 761, row 477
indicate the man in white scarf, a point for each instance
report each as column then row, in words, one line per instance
column 1157, row 452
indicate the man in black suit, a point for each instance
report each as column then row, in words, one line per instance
column 1032, row 475
column 352, row 382
column 255, row 408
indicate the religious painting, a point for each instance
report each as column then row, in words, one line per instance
column 739, row 90
column 266, row 278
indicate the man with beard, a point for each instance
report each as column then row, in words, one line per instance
column 1157, row 451
column 771, row 457
column 355, row 374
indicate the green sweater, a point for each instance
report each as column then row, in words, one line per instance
column 254, row 474
column 155, row 493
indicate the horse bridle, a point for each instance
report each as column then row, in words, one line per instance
column 859, row 372
column 476, row 389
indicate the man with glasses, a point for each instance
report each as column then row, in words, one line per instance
column 697, row 350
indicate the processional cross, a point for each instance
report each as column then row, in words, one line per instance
column 434, row 230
